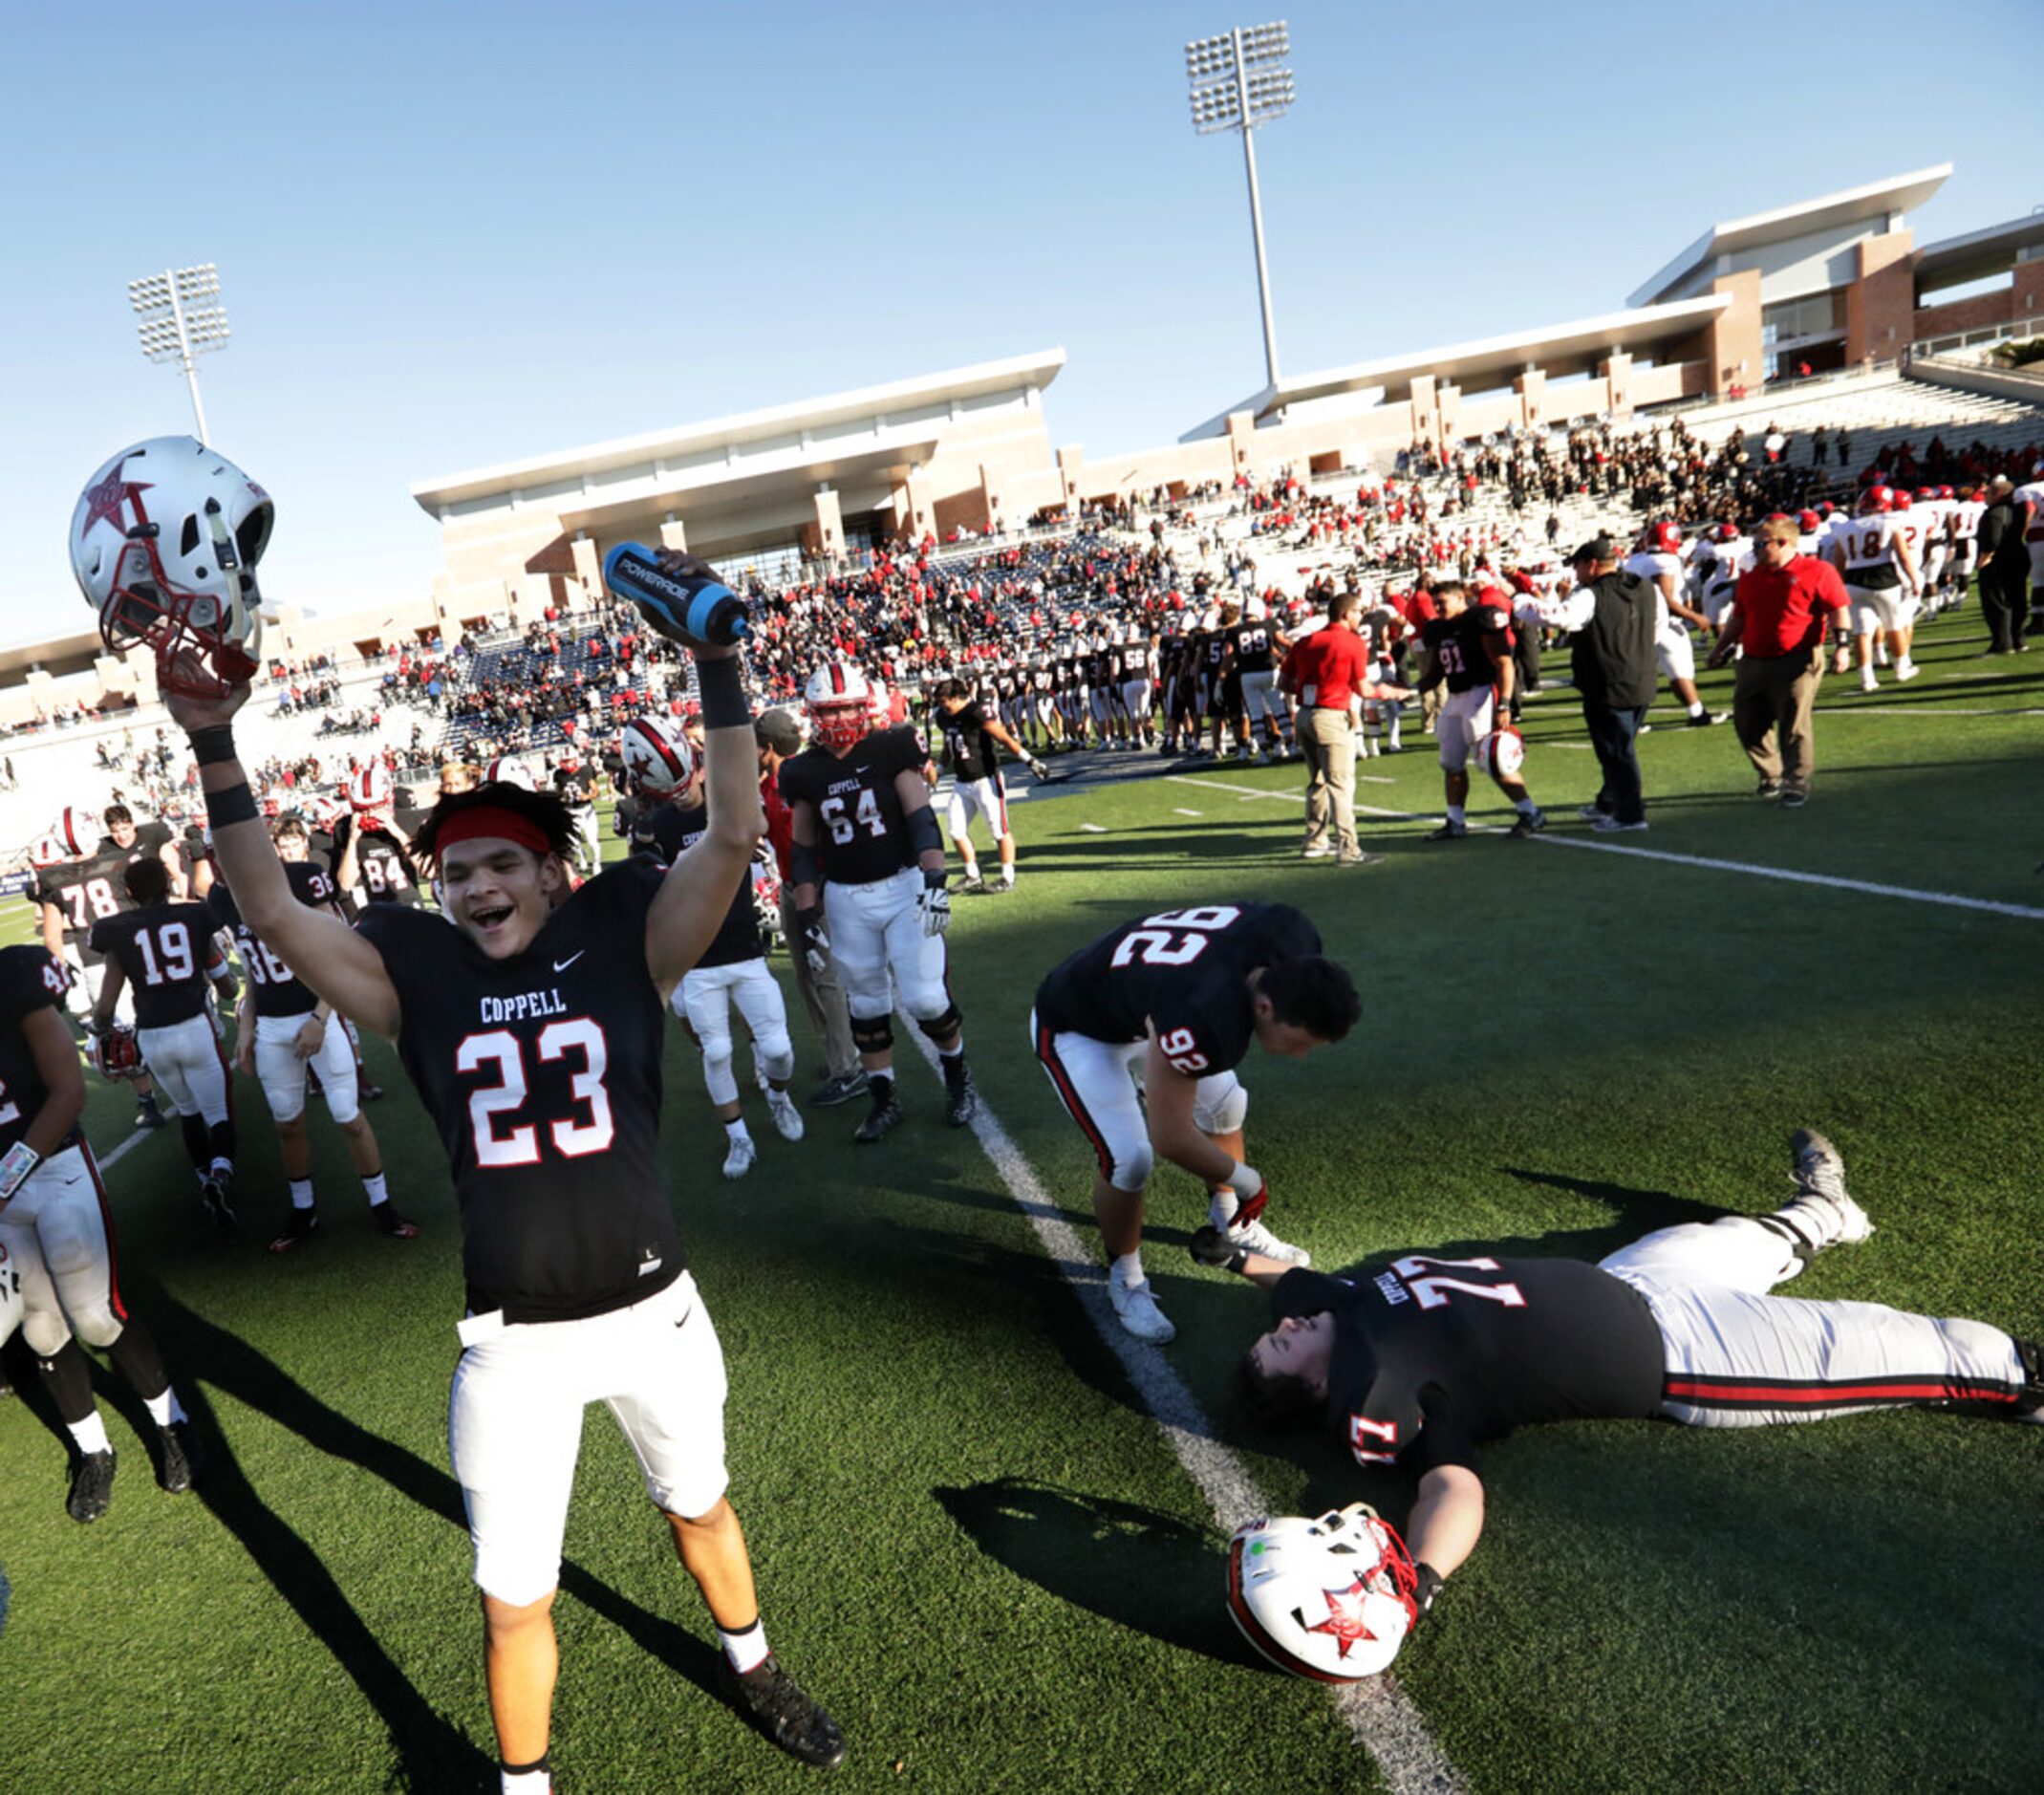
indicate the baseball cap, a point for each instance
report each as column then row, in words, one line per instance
column 1597, row 549
column 778, row 730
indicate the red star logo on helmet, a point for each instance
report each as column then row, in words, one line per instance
column 106, row 499
column 1344, row 1617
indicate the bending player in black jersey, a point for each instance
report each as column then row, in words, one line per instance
column 533, row 1029
column 1172, row 1001
column 56, row 1244
column 869, row 877
column 1417, row 1362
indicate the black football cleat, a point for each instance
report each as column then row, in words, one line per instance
column 774, row 1702
column 386, row 1216
column 962, row 1102
column 92, row 1486
column 213, row 1194
column 300, row 1228
column 878, row 1124
column 179, row 1460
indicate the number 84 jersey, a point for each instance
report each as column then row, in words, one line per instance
column 1184, row 972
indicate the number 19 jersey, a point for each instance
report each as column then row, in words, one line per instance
column 1183, row 971
column 542, row 1072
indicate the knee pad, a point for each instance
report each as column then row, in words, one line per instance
column 946, row 1022
column 96, row 1324
column 874, row 1035
column 46, row 1331
column 774, row 1054
column 1224, row 1114
column 1132, row 1173
column 717, row 1074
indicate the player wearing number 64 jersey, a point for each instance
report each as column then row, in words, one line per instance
column 530, row 1019
column 1170, row 1002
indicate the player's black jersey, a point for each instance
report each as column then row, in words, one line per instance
column 83, row 892
column 542, row 1072
column 860, row 832
column 1067, row 675
column 30, row 979
column 1253, row 648
column 164, row 951
column 386, row 875
column 668, row 830
column 1183, row 971
column 1096, row 668
column 1458, row 642
column 575, row 789
column 1043, row 680
column 273, row 987
column 1433, row 1355
column 1216, row 650
column 968, row 746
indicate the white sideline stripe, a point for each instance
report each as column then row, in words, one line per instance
column 1950, row 900
column 115, row 1158
column 1299, row 797
column 1091, row 829
column 1381, row 1717
column 1903, row 707
column 1181, row 810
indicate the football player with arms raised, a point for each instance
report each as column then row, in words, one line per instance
column 869, row 877
column 56, row 1245
column 284, row 1033
column 1418, row 1362
column 663, row 769
column 165, row 952
column 533, row 1028
column 1170, row 1002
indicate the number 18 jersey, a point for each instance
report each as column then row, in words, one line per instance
column 1183, row 971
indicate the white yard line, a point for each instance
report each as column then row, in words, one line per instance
column 114, row 1158
column 1380, row 1716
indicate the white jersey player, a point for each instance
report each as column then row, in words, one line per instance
column 1880, row 578
column 1658, row 562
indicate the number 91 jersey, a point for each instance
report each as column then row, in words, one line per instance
column 860, row 833
column 542, row 1072
column 1185, row 972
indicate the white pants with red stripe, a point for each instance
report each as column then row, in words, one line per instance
column 57, row 1238
column 986, row 797
column 1738, row 1357
column 187, row 1061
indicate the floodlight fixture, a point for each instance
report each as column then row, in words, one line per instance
column 1238, row 82
column 178, row 316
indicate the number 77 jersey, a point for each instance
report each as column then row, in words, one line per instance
column 1183, row 972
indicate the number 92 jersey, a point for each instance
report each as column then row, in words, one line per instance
column 542, row 1072
column 860, row 833
column 1182, row 971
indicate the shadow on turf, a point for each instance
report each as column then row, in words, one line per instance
column 1135, row 1566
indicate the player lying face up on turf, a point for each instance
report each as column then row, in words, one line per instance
column 1416, row 1363
column 533, row 1030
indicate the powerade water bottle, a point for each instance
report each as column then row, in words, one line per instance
column 698, row 605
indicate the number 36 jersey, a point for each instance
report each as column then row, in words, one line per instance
column 860, row 833
column 542, row 1072
column 1183, row 971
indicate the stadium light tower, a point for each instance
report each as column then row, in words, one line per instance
column 181, row 316
column 1238, row 82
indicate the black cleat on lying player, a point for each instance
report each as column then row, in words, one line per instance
column 92, row 1486
column 776, row 1704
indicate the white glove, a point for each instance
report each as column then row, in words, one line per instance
column 1037, row 767
column 935, row 904
column 816, row 943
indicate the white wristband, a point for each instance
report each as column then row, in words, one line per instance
column 1244, row 1180
column 19, row 1161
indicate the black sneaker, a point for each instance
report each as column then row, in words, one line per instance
column 1792, row 799
column 1768, row 789
column 878, row 1125
column 179, row 1460
column 768, row 1696
column 387, row 1219
column 1705, row 719
column 835, row 1090
column 1448, row 831
column 92, row 1484
column 961, row 1100
column 213, row 1194
column 1530, row 823
column 367, row 1092
column 299, row 1228
column 975, row 886
column 148, row 1116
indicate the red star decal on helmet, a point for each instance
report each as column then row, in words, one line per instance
column 106, row 499
column 1344, row 1617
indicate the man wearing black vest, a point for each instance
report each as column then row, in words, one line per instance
column 1611, row 618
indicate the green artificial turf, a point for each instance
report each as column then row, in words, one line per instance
column 974, row 1543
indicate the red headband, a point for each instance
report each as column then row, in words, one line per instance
column 491, row 820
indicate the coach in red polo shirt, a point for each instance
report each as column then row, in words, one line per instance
column 1779, row 614
column 1328, row 673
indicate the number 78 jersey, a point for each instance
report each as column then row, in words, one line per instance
column 1183, row 972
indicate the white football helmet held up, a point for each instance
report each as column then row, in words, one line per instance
column 658, row 758
column 164, row 542
column 369, row 789
column 1502, row 752
column 839, row 701
column 77, row 831
column 507, row 769
column 1331, row 1599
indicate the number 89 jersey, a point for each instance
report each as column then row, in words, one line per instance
column 860, row 833
column 1183, row 971
column 542, row 1072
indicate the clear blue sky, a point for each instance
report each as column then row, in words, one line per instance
column 457, row 234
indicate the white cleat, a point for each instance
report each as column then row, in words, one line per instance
column 739, row 1160
column 786, row 1117
column 1137, row 1311
column 1906, row 670
column 1255, row 1238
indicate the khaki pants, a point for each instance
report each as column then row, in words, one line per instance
column 1329, row 741
column 1771, row 707
column 822, row 996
